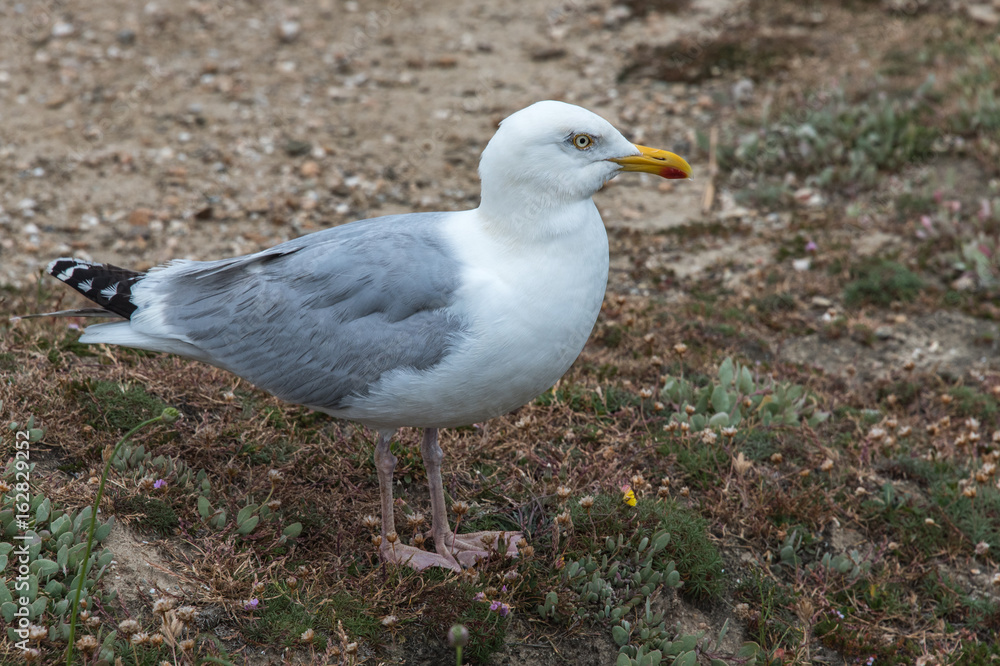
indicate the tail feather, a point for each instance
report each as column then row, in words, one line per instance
column 108, row 286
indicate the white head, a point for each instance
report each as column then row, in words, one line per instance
column 553, row 153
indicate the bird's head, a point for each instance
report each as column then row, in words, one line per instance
column 561, row 153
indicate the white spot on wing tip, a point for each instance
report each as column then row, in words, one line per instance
column 68, row 273
column 110, row 291
column 86, row 285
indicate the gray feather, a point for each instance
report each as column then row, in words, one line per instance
column 321, row 318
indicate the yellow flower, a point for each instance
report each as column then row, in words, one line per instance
column 628, row 496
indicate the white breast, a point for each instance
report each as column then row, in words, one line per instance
column 531, row 304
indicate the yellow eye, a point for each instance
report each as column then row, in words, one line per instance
column 582, row 141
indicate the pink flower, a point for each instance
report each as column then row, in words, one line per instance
column 480, row 596
column 811, row 246
column 252, row 604
column 500, row 607
column 160, row 483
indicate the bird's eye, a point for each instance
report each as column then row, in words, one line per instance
column 583, row 141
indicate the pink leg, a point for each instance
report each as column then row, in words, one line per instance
column 398, row 552
column 466, row 548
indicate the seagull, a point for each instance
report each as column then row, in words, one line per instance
column 427, row 320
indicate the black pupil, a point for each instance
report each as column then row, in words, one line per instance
column 581, row 141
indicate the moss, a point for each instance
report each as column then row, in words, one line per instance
column 158, row 516
column 881, row 283
column 111, row 406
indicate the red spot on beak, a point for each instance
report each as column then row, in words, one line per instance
column 672, row 173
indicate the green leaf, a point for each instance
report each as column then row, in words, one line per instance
column 42, row 513
column 82, row 518
column 651, row 659
column 204, row 508
column 720, row 399
column 688, row 658
column 674, row 579
column 726, row 374
column 60, row 525
column 5, row 595
column 292, row 530
column 619, row 634
column 102, row 531
column 745, row 381
column 109, row 646
column 105, row 559
column 623, row 659
column 5, row 548
column 248, row 526
column 720, row 420
column 7, row 610
column 43, row 567
column 245, row 513
column 818, row 417
column 38, row 606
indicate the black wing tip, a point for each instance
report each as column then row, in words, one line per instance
column 105, row 284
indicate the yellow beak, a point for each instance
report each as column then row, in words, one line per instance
column 653, row 160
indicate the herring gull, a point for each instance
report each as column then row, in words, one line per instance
column 428, row 320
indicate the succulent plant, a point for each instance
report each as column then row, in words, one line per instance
column 737, row 397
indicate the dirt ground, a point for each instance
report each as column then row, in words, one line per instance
column 136, row 133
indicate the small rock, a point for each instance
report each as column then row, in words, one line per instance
column 984, row 14
column 140, row 217
column 809, row 197
column 802, row 265
column 289, row 31
column 883, row 332
column 296, row 148
column 616, row 15
column 126, row 37
column 62, row 29
column 545, row 53
column 309, row 169
column 743, row 91
column 821, row 302
column 964, row 283
column 446, row 62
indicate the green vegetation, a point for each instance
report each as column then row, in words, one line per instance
column 881, row 283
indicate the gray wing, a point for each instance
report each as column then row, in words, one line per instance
column 321, row 318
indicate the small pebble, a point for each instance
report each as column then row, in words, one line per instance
column 289, row 31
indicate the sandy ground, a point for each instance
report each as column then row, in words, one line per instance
column 136, row 135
